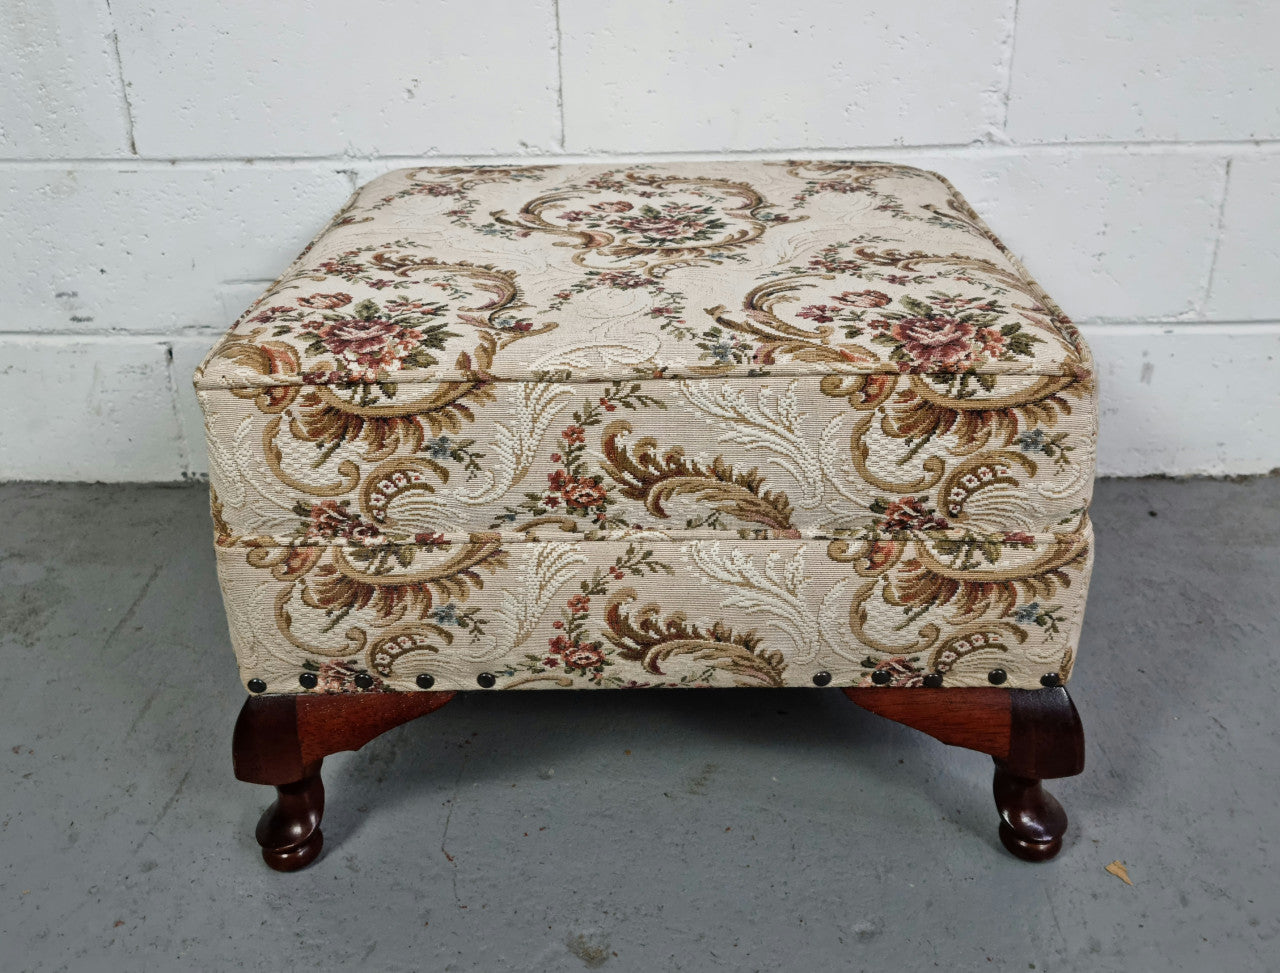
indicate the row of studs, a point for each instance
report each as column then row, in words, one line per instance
column 308, row 680
column 487, row 680
column 933, row 680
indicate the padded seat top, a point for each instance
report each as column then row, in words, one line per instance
column 672, row 424
column 688, row 270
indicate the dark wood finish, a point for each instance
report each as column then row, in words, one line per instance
column 1033, row 735
column 1032, row 822
column 289, row 830
column 1046, row 740
column 282, row 740
column 977, row 719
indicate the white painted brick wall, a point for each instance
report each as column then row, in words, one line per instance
column 745, row 75
column 1151, row 70
column 80, row 408
column 161, row 161
column 248, row 79
column 61, row 92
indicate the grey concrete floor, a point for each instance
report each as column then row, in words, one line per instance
column 752, row 830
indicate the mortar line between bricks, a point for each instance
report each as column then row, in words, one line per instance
column 1217, row 235
column 124, row 85
column 1008, row 73
column 965, row 150
column 559, row 71
column 1118, row 325
column 116, row 335
column 184, row 448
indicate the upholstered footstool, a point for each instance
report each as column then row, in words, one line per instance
column 702, row 425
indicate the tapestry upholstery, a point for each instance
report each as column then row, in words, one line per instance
column 688, row 424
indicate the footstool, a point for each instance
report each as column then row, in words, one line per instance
column 700, row 425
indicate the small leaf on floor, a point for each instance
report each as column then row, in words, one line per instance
column 1117, row 869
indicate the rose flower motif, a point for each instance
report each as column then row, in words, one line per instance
column 902, row 673
column 340, row 677
column 624, row 279
column 662, row 226
column 579, row 656
column 325, row 302
column 437, row 189
column 368, row 345
column 910, row 513
column 615, row 206
column 580, row 492
column 263, row 317
column 583, row 493
column 331, row 520
column 863, row 298
column 992, row 341
column 817, row 312
column 939, row 340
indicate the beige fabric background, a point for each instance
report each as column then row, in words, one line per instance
column 703, row 424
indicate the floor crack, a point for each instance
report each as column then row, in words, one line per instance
column 453, row 800
column 124, row 620
column 168, row 806
column 1053, row 911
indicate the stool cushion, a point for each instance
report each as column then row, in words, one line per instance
column 694, row 424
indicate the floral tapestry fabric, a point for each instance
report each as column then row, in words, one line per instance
column 700, row 424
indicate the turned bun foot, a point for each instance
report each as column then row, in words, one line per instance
column 1032, row 822
column 289, row 830
column 282, row 740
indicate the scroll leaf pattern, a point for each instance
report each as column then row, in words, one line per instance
column 696, row 424
column 654, row 479
column 647, row 637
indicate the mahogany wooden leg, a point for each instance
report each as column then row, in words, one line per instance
column 1032, row 822
column 282, row 740
column 1032, row 734
column 289, row 830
